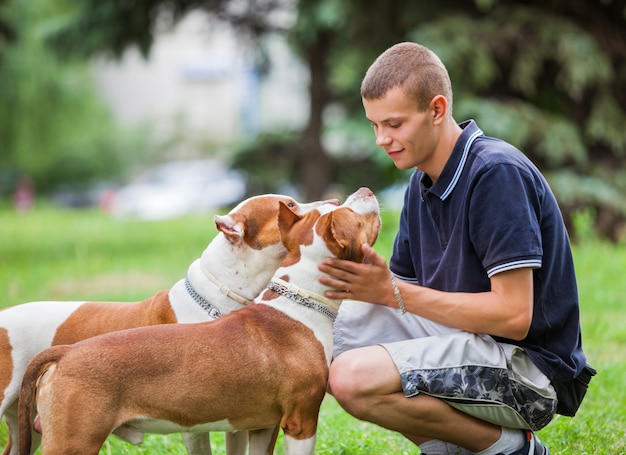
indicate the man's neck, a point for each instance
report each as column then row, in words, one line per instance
column 451, row 132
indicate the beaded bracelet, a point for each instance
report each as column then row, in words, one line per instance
column 398, row 295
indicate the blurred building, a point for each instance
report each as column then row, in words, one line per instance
column 200, row 79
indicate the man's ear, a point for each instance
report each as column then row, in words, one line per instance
column 439, row 108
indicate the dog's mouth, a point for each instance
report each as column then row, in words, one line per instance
column 363, row 201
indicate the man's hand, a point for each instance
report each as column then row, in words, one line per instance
column 369, row 281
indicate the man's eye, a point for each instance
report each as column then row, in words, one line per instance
column 395, row 125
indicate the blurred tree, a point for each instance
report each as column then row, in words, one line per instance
column 93, row 27
column 53, row 127
column 547, row 75
column 7, row 32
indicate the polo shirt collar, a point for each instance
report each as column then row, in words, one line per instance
column 452, row 170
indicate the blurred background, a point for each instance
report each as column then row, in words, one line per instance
column 158, row 108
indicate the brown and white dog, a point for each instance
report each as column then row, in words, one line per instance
column 236, row 265
column 257, row 369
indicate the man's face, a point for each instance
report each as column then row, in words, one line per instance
column 407, row 135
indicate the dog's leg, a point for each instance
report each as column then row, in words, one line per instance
column 12, row 448
column 129, row 435
column 197, row 443
column 262, row 441
column 10, row 416
column 70, row 443
column 299, row 446
column 35, row 442
column 236, row 443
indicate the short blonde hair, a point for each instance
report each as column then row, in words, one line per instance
column 413, row 67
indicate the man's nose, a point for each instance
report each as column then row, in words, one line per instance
column 382, row 139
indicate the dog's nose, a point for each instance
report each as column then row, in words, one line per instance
column 364, row 191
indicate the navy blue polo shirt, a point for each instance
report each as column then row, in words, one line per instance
column 490, row 211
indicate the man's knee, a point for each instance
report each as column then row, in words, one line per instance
column 359, row 375
column 343, row 377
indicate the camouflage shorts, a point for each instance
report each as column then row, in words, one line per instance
column 492, row 381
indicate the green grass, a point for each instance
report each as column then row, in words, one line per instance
column 53, row 254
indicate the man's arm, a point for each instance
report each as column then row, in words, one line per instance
column 506, row 310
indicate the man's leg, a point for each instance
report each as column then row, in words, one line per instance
column 366, row 383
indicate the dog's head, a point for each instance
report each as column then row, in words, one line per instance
column 338, row 231
column 255, row 220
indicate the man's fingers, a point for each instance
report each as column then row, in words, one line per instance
column 338, row 267
column 332, row 282
column 372, row 257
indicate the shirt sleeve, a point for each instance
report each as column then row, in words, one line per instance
column 505, row 219
column 401, row 263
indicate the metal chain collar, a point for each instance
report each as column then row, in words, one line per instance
column 305, row 301
column 213, row 312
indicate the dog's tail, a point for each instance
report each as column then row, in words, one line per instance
column 26, row 404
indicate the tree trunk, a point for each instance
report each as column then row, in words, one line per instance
column 314, row 166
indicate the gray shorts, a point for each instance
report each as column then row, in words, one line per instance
column 492, row 381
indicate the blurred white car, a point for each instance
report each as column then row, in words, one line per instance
column 178, row 188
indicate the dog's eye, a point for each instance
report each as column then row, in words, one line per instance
column 291, row 204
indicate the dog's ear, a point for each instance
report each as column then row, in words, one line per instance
column 286, row 218
column 233, row 230
column 340, row 231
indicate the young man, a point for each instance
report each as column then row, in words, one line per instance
column 470, row 329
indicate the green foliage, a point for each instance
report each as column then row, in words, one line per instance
column 314, row 17
column 53, row 127
column 590, row 202
column 554, row 140
column 269, row 162
column 90, row 26
column 606, row 123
